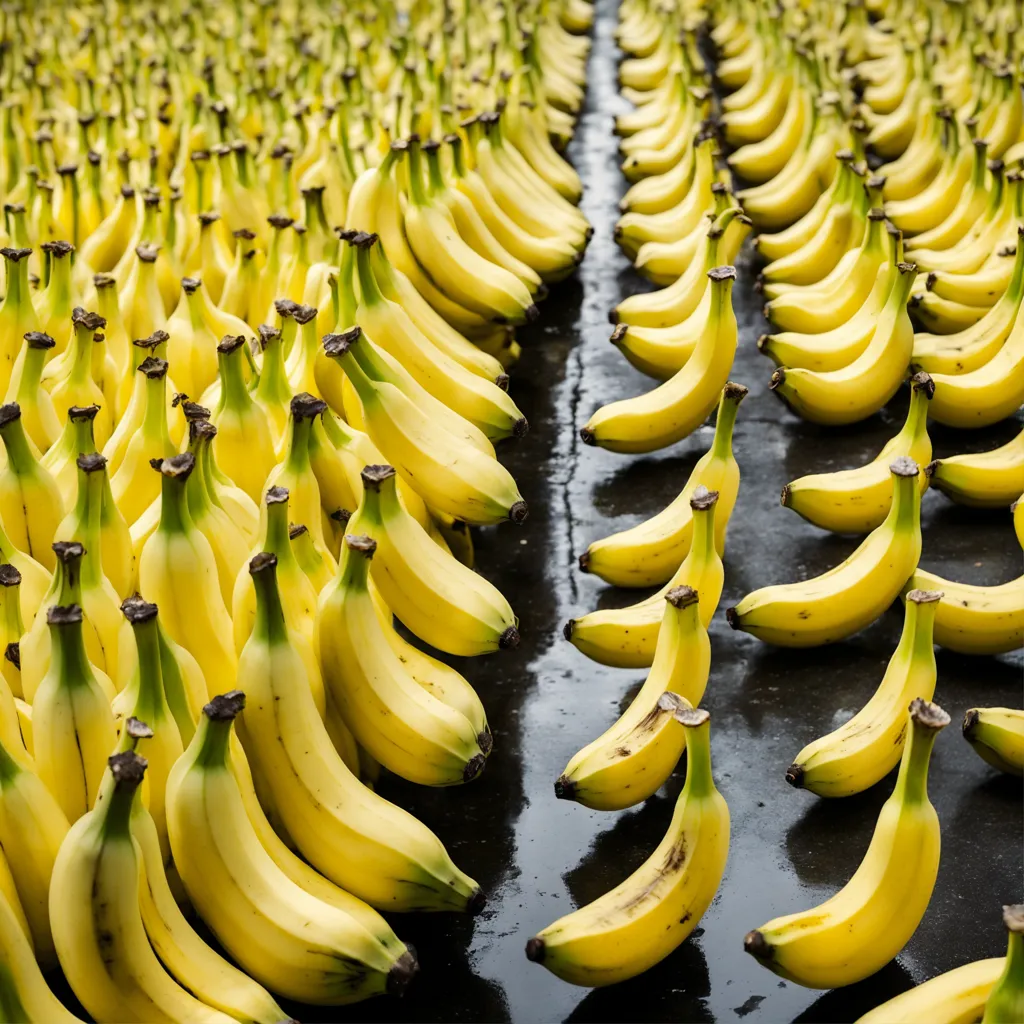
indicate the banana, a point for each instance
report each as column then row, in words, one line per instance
column 858, row 500
column 838, row 347
column 98, row 927
column 633, row 758
column 628, row 637
column 832, row 301
column 178, row 571
column 639, row 922
column 856, row 592
column 997, row 735
column 30, row 502
column 449, row 473
column 485, row 288
column 861, row 928
column 860, row 389
column 481, row 402
column 676, row 408
column 1017, row 508
column 443, row 602
column 974, row 346
column 24, row 994
column 426, row 741
column 991, row 479
column 72, row 724
column 32, row 828
column 649, row 553
column 863, row 750
column 986, row 395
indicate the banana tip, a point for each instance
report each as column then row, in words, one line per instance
column 531, row 312
column 613, row 316
column 474, row 766
column 795, row 776
column 567, row 629
column 585, row 562
column 518, row 512
column 755, row 944
column 969, row 723
column 732, row 617
column 403, row 970
column 784, row 498
column 520, row 428
column 565, row 788
column 535, row 950
column 509, row 640
column 476, row 903
column 485, row 741
column 587, row 436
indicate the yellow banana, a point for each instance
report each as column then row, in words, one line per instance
column 627, row 637
column 997, row 735
column 633, row 758
column 649, row 553
column 640, row 921
column 863, row 750
column 856, row 592
column 858, row 500
column 868, row 922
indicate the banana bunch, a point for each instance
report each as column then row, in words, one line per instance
column 638, row 923
column 235, row 293
column 866, row 923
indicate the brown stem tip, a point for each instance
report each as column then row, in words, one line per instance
column 535, row 950
column 137, row 729
column 404, row 969
column 587, row 436
column 970, row 722
column 521, row 427
column 755, row 944
column 261, row 562
column 509, row 640
column 924, row 596
column 136, row 610
column 904, row 466
column 225, row 707
column 733, row 618
column 930, row 715
column 795, row 776
column 374, row 476
column 565, row 788
column 585, row 561
column 474, row 766
column 1013, row 917
column 682, row 597
column 9, row 575
column 127, row 767
column 361, row 544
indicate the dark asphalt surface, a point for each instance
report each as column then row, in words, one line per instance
column 538, row 858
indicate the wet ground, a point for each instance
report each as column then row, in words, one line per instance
column 538, row 857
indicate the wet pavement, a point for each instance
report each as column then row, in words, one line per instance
column 538, row 857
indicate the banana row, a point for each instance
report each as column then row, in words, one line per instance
column 260, row 282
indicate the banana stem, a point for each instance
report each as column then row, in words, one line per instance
column 67, row 644
column 269, row 625
column 728, row 406
column 128, row 769
column 12, row 432
column 926, row 721
column 1006, row 1000
column 699, row 780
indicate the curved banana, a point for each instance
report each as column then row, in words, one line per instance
column 863, row 750
column 860, row 389
column 627, row 637
column 640, row 921
column 680, row 405
column 446, row 604
column 868, row 922
column 856, row 592
column 956, row 997
column 449, row 474
column 97, row 924
column 401, row 724
column 632, row 759
column 24, row 993
column 858, row 500
column 649, row 553
column 991, row 479
column 997, row 735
